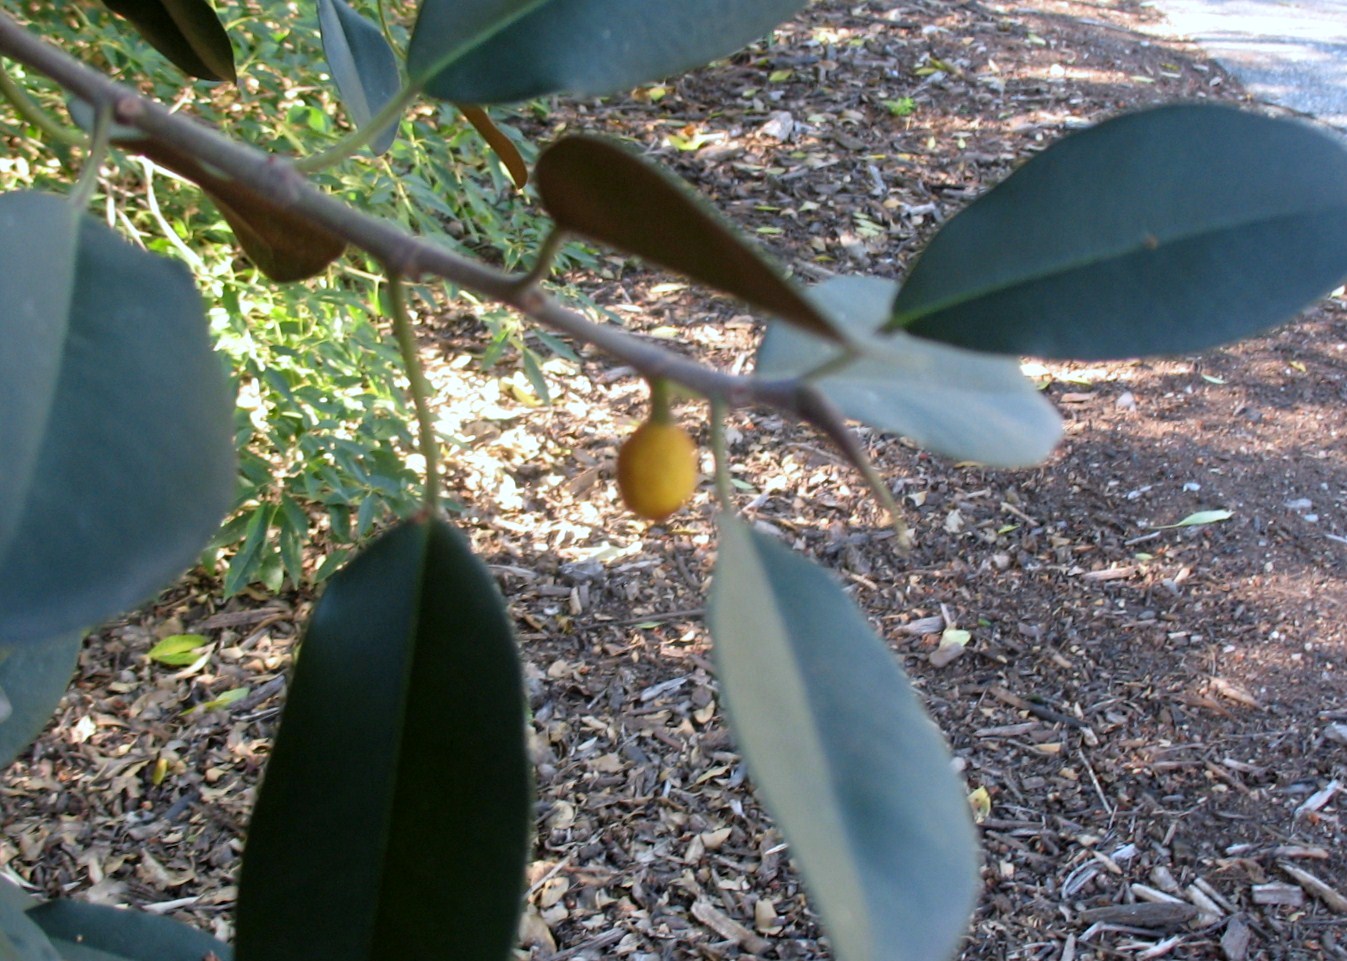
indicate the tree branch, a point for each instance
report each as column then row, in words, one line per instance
column 275, row 179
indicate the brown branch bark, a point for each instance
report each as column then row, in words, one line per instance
column 275, row 179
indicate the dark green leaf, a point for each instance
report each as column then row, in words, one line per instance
column 848, row 763
column 1165, row 231
column 534, row 372
column 362, row 65
column 124, row 433
column 510, row 50
column 132, row 935
column 601, row 190
column 70, row 951
column 243, row 567
column 32, row 680
column 187, row 32
column 14, row 898
column 962, row 404
column 284, row 246
column 394, row 817
column 39, row 237
column 20, row 937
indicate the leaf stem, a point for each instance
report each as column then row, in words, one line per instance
column 83, row 193
column 31, row 111
column 823, row 414
column 720, row 450
column 347, row 146
column 419, row 388
column 542, row 266
column 388, row 33
column 659, row 401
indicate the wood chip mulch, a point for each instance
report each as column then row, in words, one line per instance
column 1157, row 715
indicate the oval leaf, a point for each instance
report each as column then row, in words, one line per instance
column 848, row 763
column 286, row 246
column 187, row 32
column 121, row 933
column 964, row 405
column 39, row 236
column 511, row 50
column 33, row 679
column 408, row 670
column 1165, row 231
column 124, row 423
column 362, row 65
column 605, row 192
column 177, row 650
column 20, row 938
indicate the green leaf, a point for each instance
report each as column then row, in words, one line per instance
column 846, row 760
column 962, row 404
column 20, row 937
column 14, row 898
column 39, row 236
column 1201, row 517
column 119, row 414
column 244, row 566
column 363, row 66
column 124, row 934
column 187, row 32
column 1165, row 231
column 178, row 650
column 601, row 190
column 33, row 678
column 231, row 696
column 409, row 672
column 497, row 51
column 536, row 377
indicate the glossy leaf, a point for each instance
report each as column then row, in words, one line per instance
column 39, row 237
column 363, row 66
column 14, row 898
column 32, row 680
column 285, row 245
column 499, row 51
column 125, row 934
column 123, row 429
column 409, row 669
column 843, row 755
column 495, row 138
column 1164, row 231
column 20, row 937
column 603, row 191
column 187, row 32
column 965, row 405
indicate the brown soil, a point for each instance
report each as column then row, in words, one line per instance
column 1151, row 709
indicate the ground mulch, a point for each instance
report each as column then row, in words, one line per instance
column 1158, row 714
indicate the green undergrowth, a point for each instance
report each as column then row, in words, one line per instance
column 322, row 422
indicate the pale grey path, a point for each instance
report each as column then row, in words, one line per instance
column 1290, row 52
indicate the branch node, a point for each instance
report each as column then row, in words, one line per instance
column 128, row 110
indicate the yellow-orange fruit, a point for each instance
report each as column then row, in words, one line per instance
column 657, row 470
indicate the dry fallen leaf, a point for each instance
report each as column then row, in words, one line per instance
column 952, row 644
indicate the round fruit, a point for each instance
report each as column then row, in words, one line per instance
column 657, row 469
